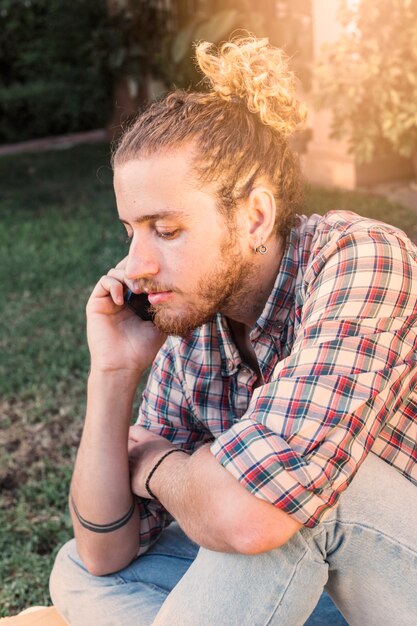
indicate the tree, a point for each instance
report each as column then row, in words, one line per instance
column 286, row 24
column 368, row 78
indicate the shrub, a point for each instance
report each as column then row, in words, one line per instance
column 54, row 75
column 368, row 78
column 286, row 23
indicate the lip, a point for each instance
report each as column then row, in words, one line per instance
column 159, row 297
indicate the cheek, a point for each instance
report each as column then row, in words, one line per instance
column 192, row 256
column 187, row 253
column 175, row 262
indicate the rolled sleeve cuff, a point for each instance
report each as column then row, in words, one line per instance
column 272, row 471
column 153, row 519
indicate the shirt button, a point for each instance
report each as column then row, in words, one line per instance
column 278, row 326
column 229, row 364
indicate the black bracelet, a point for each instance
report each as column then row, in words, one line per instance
column 103, row 528
column 155, row 467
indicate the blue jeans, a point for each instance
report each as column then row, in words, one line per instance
column 364, row 554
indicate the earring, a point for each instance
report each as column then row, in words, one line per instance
column 262, row 249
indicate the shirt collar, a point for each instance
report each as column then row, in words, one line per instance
column 281, row 300
column 229, row 353
column 275, row 312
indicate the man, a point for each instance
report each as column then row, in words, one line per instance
column 288, row 375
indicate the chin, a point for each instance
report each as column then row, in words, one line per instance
column 180, row 325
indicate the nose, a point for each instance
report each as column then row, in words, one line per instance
column 141, row 261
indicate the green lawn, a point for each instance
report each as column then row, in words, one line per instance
column 58, row 233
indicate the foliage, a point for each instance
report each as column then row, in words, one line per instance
column 368, row 78
column 54, row 74
column 285, row 23
column 58, row 233
column 138, row 28
column 59, row 60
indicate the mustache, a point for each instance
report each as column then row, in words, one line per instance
column 151, row 287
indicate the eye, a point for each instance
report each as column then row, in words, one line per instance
column 167, row 234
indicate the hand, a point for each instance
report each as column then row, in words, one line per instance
column 117, row 338
column 144, row 450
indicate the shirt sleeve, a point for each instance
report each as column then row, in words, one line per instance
column 308, row 429
column 166, row 411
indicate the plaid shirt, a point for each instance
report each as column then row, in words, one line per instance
column 337, row 347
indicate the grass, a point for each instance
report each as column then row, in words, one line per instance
column 375, row 207
column 58, row 233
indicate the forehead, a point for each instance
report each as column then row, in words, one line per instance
column 162, row 184
column 162, row 175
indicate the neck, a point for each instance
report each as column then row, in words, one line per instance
column 250, row 302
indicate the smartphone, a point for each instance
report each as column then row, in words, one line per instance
column 139, row 304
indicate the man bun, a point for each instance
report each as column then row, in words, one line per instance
column 250, row 70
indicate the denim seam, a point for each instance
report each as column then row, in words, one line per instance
column 119, row 582
column 286, row 588
column 168, row 555
column 379, row 532
column 315, row 536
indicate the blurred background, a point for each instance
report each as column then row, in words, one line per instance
column 73, row 73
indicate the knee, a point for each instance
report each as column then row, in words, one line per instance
column 66, row 574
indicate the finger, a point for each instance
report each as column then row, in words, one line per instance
column 133, row 435
column 109, row 286
column 116, row 290
column 118, row 273
column 122, row 264
column 133, row 450
column 138, row 432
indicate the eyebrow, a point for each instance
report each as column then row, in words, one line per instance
column 153, row 217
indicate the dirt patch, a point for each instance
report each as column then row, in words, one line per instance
column 27, row 446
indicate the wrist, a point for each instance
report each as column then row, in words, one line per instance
column 162, row 459
column 110, row 399
column 126, row 380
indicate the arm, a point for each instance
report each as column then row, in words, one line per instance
column 100, row 484
column 121, row 347
column 211, row 506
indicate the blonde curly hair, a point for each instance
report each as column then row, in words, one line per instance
column 258, row 73
column 240, row 126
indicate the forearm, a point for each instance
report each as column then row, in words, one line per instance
column 215, row 510
column 101, row 485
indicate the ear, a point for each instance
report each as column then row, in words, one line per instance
column 262, row 210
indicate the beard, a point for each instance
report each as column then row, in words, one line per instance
column 225, row 288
